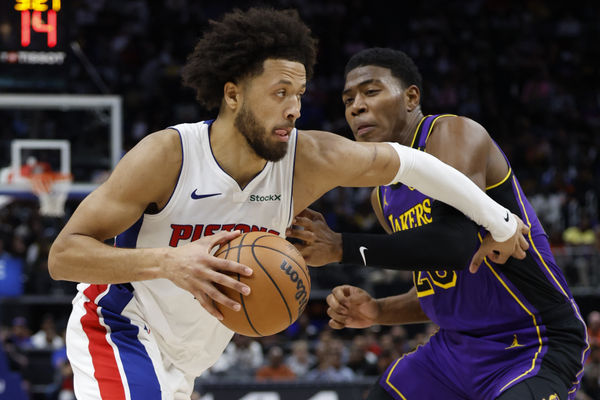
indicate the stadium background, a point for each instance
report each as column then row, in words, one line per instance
column 526, row 70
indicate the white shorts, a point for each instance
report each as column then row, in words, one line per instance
column 113, row 354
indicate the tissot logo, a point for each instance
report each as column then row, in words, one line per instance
column 269, row 197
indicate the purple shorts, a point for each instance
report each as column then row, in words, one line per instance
column 454, row 366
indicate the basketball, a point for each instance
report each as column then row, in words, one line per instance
column 280, row 284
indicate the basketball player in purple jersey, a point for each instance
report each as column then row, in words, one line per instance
column 143, row 323
column 506, row 332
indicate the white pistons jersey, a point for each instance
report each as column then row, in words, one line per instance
column 205, row 200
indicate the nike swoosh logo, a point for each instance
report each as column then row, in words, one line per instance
column 362, row 249
column 196, row 196
column 506, row 218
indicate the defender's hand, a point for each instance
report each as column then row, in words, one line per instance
column 320, row 245
column 351, row 307
column 193, row 268
column 499, row 252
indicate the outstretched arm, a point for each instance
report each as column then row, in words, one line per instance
column 449, row 234
column 325, row 161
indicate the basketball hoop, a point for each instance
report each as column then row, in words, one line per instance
column 52, row 189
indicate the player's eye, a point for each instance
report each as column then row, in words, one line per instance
column 348, row 101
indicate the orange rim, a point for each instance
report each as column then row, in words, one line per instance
column 43, row 182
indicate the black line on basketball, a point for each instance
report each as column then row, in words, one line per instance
column 262, row 246
column 273, row 281
column 290, row 257
column 241, row 295
column 225, row 250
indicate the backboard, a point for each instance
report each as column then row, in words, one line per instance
column 71, row 134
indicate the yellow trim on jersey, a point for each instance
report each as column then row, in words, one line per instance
column 501, row 182
column 377, row 189
column 417, row 131
column 433, row 123
column 587, row 341
column 531, row 239
column 555, row 280
column 387, row 379
column 537, row 328
column 553, row 277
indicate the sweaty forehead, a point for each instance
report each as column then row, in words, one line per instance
column 368, row 74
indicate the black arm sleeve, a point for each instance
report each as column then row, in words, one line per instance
column 447, row 243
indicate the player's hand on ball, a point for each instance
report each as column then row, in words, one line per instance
column 280, row 284
column 500, row 252
column 351, row 307
column 193, row 268
column 320, row 245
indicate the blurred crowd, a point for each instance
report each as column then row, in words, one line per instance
column 308, row 351
column 39, row 357
column 525, row 70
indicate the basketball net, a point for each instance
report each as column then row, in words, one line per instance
column 52, row 189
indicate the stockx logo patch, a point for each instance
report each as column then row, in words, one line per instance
column 264, row 198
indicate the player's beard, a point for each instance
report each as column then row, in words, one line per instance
column 257, row 136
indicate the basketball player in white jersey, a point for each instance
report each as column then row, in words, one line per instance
column 143, row 324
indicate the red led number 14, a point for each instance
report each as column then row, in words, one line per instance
column 33, row 20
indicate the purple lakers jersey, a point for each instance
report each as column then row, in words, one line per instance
column 517, row 305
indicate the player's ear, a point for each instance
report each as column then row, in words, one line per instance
column 412, row 98
column 231, row 94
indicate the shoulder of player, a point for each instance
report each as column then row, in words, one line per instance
column 150, row 167
column 457, row 131
column 162, row 148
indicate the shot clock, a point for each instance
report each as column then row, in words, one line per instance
column 34, row 45
column 32, row 20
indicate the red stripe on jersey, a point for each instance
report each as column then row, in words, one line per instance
column 106, row 370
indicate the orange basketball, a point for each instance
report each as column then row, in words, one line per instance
column 280, row 284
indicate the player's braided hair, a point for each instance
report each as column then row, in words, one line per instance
column 236, row 46
column 401, row 65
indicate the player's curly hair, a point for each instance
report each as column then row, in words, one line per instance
column 236, row 46
column 400, row 64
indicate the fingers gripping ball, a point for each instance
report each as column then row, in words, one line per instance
column 280, row 284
